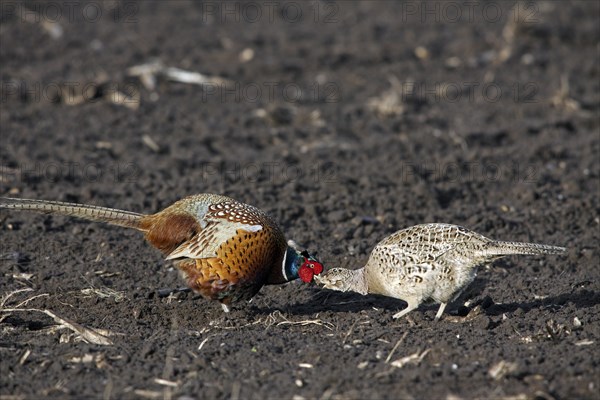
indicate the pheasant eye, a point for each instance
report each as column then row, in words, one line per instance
column 317, row 267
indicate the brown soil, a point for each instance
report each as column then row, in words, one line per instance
column 346, row 123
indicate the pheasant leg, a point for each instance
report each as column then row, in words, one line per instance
column 409, row 308
column 440, row 311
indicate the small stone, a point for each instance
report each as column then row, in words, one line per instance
column 422, row 53
column 453, row 62
column 363, row 365
column 246, row 55
column 527, row 59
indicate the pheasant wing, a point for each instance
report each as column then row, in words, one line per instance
column 222, row 222
column 427, row 242
column 418, row 255
column 205, row 244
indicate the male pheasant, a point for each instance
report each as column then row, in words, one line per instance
column 226, row 250
column 430, row 262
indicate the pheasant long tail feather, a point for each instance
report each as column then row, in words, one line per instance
column 93, row 213
column 498, row 248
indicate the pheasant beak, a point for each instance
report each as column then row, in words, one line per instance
column 328, row 281
column 320, row 280
column 324, row 280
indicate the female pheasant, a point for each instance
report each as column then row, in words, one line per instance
column 426, row 262
column 226, row 250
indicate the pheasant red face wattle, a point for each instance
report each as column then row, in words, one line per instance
column 309, row 269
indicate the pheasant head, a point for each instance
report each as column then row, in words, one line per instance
column 343, row 280
column 309, row 266
column 298, row 264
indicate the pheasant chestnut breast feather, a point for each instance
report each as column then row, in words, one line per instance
column 226, row 250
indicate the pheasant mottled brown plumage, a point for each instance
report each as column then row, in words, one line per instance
column 227, row 250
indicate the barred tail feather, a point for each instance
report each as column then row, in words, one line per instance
column 93, row 213
column 499, row 248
